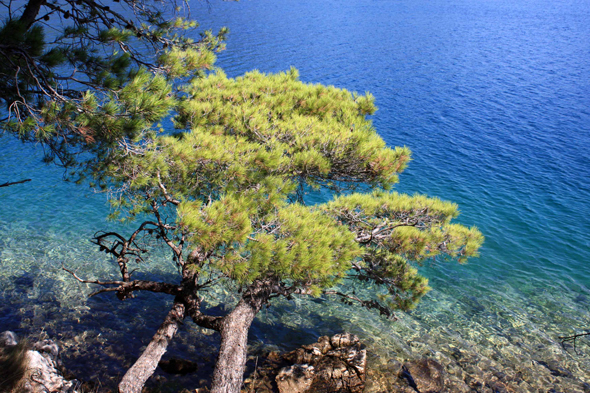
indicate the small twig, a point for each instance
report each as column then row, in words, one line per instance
column 175, row 202
column 92, row 281
column 572, row 338
column 253, row 386
column 11, row 183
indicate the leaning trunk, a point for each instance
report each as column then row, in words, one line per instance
column 231, row 363
column 145, row 366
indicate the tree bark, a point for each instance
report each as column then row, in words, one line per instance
column 31, row 11
column 228, row 375
column 145, row 366
column 229, row 370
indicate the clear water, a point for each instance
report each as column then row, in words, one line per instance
column 493, row 98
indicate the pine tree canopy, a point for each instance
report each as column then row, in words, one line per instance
column 65, row 63
column 264, row 184
column 248, row 152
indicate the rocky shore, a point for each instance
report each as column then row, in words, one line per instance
column 40, row 364
column 336, row 364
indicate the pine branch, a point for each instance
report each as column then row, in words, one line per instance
column 368, row 304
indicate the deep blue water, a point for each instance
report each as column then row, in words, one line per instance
column 493, row 98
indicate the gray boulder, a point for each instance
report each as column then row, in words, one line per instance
column 8, row 339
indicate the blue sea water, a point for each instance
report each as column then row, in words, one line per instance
column 492, row 97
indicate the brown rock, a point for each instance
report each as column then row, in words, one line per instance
column 331, row 365
column 321, row 347
column 343, row 340
column 337, row 374
column 295, row 379
column 339, row 364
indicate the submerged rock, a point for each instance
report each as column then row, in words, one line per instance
column 556, row 369
column 42, row 363
column 425, row 375
column 178, row 366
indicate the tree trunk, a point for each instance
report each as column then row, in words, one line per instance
column 145, row 366
column 231, row 363
column 31, row 11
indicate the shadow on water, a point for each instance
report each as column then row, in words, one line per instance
column 100, row 337
column 265, row 335
column 16, row 309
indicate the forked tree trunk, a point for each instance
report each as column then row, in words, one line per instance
column 145, row 366
column 231, row 363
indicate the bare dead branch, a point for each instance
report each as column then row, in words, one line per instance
column 177, row 249
column 128, row 287
column 165, row 192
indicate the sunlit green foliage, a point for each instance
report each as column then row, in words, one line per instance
column 320, row 131
column 67, row 63
column 228, row 192
column 400, row 229
column 248, row 151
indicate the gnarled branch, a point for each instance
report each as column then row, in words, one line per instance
column 125, row 289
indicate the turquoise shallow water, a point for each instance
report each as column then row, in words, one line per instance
column 493, row 98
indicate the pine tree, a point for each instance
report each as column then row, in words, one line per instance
column 64, row 64
column 227, row 194
column 228, row 191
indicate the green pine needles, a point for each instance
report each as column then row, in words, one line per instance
column 228, row 191
column 238, row 173
column 66, row 63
